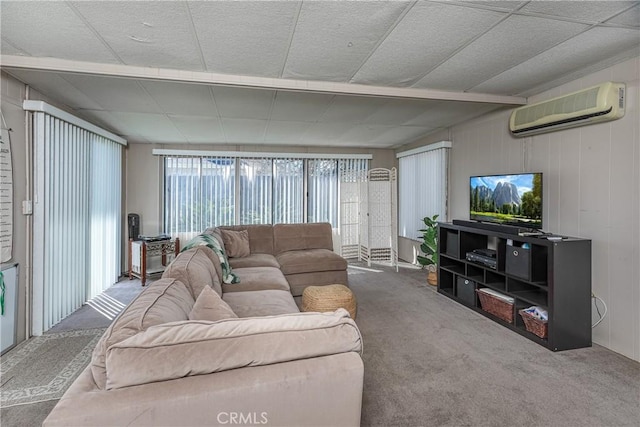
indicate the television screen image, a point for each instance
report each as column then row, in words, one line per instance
column 507, row 199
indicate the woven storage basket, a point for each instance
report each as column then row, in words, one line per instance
column 329, row 298
column 534, row 325
column 496, row 306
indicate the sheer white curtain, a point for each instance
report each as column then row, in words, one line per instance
column 76, row 213
column 422, row 187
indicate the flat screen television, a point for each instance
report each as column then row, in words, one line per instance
column 514, row 199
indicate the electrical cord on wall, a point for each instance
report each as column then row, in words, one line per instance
column 601, row 315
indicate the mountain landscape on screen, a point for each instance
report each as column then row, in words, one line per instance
column 507, row 199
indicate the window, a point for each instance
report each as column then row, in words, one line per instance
column 426, row 165
column 76, row 214
column 201, row 192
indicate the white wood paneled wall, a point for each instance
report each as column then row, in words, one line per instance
column 591, row 190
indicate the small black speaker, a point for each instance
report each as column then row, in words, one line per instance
column 134, row 226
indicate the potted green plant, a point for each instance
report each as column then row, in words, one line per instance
column 429, row 247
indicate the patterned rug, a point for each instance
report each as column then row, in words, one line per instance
column 42, row 368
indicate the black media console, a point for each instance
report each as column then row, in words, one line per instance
column 545, row 271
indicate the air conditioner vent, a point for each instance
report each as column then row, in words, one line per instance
column 596, row 104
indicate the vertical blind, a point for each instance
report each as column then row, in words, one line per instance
column 422, row 189
column 203, row 192
column 77, row 217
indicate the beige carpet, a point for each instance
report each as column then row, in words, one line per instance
column 42, row 368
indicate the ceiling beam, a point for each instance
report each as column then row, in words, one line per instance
column 202, row 77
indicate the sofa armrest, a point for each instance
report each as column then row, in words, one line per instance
column 319, row 391
column 180, row 349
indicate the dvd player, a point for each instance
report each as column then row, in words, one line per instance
column 486, row 260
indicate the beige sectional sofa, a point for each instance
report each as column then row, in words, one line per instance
column 164, row 362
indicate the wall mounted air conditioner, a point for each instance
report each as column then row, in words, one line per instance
column 596, row 104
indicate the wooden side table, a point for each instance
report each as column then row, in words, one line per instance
column 140, row 251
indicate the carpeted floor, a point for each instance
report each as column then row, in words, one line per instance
column 431, row 362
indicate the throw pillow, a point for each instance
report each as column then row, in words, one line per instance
column 236, row 243
column 228, row 276
column 209, row 306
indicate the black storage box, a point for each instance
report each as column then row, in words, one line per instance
column 518, row 262
column 466, row 290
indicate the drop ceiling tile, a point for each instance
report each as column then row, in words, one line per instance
column 156, row 128
column 239, row 103
column 426, row 36
column 397, row 112
column 401, row 135
column 442, row 113
column 197, row 129
column 182, row 98
column 501, row 5
column 246, row 38
column 363, row 134
column 325, row 133
column 244, row 131
column 285, row 132
column 517, row 39
column 51, row 29
column 351, row 109
column 109, row 122
column 114, row 94
column 6, row 48
column 588, row 11
column 333, row 39
column 577, row 53
column 300, row 106
column 630, row 17
column 56, row 87
column 149, row 34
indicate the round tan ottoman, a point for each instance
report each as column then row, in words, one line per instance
column 329, row 298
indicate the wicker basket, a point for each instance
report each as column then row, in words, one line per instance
column 329, row 298
column 534, row 325
column 496, row 306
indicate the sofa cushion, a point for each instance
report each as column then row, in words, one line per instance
column 254, row 260
column 236, row 243
column 210, row 241
column 182, row 349
column 257, row 279
column 260, row 237
column 165, row 300
column 298, row 282
column 310, row 260
column 196, row 269
column 209, row 306
column 261, row 303
column 293, row 237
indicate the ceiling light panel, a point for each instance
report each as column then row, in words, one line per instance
column 589, row 11
column 246, row 38
column 590, row 47
column 425, row 37
column 239, row 103
column 199, row 130
column 299, row 106
column 51, row 29
column 182, row 98
column 150, row 34
column 333, row 39
column 114, row 94
column 516, row 39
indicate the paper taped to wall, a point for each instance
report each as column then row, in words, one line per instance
column 6, row 197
